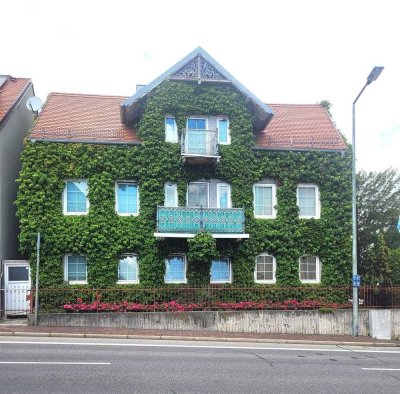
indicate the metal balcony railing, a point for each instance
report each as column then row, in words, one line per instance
column 195, row 220
column 199, row 142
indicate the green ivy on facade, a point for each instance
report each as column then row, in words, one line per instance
column 103, row 236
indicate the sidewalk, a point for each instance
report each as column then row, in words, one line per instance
column 19, row 327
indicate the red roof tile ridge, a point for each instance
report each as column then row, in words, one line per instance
column 296, row 105
column 85, row 95
column 13, row 79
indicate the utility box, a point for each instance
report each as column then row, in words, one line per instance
column 380, row 324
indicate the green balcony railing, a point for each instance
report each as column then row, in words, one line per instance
column 194, row 220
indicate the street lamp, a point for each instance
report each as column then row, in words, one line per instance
column 373, row 76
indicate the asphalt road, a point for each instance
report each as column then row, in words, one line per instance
column 61, row 365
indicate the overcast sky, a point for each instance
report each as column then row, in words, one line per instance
column 285, row 51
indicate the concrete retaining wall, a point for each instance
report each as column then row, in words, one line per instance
column 285, row 322
column 280, row 322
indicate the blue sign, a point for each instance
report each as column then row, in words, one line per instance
column 398, row 225
column 356, row 280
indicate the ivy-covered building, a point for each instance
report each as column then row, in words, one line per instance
column 192, row 180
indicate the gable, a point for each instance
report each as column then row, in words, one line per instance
column 198, row 67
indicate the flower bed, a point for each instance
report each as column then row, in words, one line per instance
column 174, row 306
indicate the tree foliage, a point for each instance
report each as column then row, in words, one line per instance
column 378, row 210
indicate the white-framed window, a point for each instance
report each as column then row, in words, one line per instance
column 128, row 269
column 198, row 195
column 265, row 270
column 197, row 123
column 309, row 269
column 308, row 201
column 75, row 269
column 224, row 136
column 170, row 194
column 75, row 197
column 175, row 269
column 171, row 129
column 221, row 270
column 264, row 200
column 224, row 195
column 126, row 198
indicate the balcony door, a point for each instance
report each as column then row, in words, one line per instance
column 197, row 136
column 198, row 195
column 224, row 195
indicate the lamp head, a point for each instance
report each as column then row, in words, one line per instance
column 374, row 74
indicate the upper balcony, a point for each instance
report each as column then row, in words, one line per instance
column 183, row 222
column 200, row 146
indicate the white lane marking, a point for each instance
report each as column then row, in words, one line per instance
column 51, row 363
column 353, row 350
column 382, row 369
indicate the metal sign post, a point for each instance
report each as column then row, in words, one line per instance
column 37, row 278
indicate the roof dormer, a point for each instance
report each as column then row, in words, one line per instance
column 198, row 67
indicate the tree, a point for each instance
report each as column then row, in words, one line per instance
column 395, row 266
column 378, row 209
column 377, row 262
column 327, row 105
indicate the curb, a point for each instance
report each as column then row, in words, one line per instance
column 197, row 339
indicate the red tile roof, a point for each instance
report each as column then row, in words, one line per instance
column 88, row 118
column 10, row 92
column 82, row 118
column 303, row 126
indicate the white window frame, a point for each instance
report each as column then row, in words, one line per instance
column 124, row 282
column 65, row 201
column 184, row 280
column 73, row 282
column 175, row 193
column 266, row 281
column 116, row 198
column 230, row 270
column 208, row 193
column 197, row 117
column 228, row 142
column 175, row 137
column 219, row 184
column 274, row 200
column 317, row 201
column 317, row 270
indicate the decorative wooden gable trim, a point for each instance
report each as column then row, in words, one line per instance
column 199, row 69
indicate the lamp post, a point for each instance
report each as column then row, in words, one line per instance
column 373, row 76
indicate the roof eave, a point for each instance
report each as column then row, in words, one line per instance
column 294, row 149
column 72, row 141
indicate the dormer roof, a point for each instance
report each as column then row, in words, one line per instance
column 198, row 66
